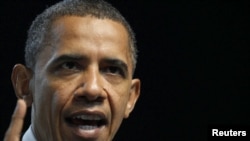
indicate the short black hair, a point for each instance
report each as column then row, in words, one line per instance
column 40, row 27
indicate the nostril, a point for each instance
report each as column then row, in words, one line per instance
column 87, row 96
column 87, row 102
column 90, row 91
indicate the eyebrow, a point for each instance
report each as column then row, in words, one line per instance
column 69, row 57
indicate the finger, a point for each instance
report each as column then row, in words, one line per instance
column 14, row 131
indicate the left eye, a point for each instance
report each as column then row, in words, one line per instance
column 113, row 70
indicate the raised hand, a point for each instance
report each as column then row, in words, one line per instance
column 15, row 128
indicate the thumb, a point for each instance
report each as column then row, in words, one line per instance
column 15, row 128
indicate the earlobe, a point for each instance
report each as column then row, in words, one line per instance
column 134, row 95
column 20, row 78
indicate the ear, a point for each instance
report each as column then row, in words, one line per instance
column 21, row 77
column 134, row 95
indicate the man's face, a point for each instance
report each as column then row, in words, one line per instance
column 82, row 86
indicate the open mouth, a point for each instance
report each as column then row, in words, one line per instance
column 87, row 121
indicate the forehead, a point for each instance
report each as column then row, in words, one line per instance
column 78, row 34
column 89, row 27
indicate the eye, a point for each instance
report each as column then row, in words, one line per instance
column 114, row 70
column 70, row 66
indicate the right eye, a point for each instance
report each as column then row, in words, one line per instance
column 70, row 66
column 67, row 68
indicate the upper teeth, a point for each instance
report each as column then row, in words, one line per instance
column 87, row 117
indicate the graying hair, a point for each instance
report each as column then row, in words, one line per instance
column 37, row 34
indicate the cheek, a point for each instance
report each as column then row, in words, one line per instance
column 51, row 97
column 118, row 98
column 49, row 101
column 61, row 93
column 123, row 93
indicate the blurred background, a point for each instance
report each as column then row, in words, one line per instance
column 193, row 63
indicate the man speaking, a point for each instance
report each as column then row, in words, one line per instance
column 80, row 57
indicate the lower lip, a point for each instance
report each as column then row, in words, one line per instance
column 87, row 133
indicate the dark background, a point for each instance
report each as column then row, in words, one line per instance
column 193, row 63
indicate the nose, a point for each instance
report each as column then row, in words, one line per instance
column 91, row 88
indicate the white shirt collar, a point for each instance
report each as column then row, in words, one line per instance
column 29, row 135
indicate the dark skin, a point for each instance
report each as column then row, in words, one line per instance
column 88, row 73
column 14, row 131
